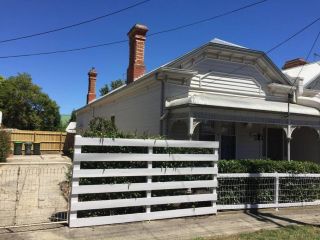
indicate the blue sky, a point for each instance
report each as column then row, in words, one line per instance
column 64, row 76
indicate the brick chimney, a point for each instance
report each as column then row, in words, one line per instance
column 92, row 85
column 137, row 38
column 294, row 63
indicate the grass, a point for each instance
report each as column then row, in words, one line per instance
column 286, row 233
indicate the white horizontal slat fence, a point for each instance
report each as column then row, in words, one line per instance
column 189, row 190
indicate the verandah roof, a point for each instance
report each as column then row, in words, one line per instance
column 242, row 103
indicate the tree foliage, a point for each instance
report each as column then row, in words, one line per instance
column 4, row 145
column 104, row 90
column 73, row 117
column 25, row 106
column 113, row 85
column 116, row 84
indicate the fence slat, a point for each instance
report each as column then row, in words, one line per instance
column 103, row 157
column 82, row 222
column 132, row 202
column 81, row 141
column 131, row 187
column 96, row 173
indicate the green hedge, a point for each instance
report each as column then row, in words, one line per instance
column 230, row 191
column 267, row 166
column 261, row 190
column 4, row 145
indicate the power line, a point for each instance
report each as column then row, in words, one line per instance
column 75, row 24
column 280, row 43
column 290, row 94
column 294, row 35
column 308, row 55
column 207, row 19
column 65, row 51
column 125, row 40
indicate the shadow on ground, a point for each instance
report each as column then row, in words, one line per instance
column 274, row 218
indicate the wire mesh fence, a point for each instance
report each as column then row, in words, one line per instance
column 240, row 191
column 299, row 189
column 33, row 194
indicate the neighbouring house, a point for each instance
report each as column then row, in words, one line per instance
column 219, row 91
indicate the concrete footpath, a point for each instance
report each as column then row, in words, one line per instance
column 44, row 158
column 227, row 223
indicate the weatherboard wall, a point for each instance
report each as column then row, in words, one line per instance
column 137, row 111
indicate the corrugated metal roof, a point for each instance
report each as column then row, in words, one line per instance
column 308, row 72
column 220, row 41
column 255, row 104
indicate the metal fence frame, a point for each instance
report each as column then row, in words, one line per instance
column 276, row 177
column 33, row 166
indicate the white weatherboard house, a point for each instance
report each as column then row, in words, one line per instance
column 219, row 91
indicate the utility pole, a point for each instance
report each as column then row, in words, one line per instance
column 290, row 97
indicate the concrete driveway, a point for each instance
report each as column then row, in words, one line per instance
column 30, row 191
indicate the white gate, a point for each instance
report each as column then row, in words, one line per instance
column 98, row 211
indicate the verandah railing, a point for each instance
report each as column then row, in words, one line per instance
column 125, row 187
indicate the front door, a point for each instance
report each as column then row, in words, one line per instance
column 228, row 147
column 273, row 142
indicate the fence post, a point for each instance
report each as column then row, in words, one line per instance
column 60, row 144
column 215, row 179
column 17, row 197
column 276, row 191
column 74, row 182
column 149, row 179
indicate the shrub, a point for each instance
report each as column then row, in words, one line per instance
column 230, row 191
column 267, row 166
column 103, row 128
column 256, row 190
column 4, row 145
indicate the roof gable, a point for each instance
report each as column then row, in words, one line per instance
column 309, row 73
column 230, row 84
column 229, row 52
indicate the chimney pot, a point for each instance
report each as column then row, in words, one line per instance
column 137, row 38
column 91, row 96
column 294, row 63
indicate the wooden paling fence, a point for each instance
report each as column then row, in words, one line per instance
column 50, row 141
column 174, row 179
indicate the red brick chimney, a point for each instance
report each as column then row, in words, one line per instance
column 294, row 63
column 92, row 85
column 137, row 38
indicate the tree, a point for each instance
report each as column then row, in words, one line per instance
column 73, row 117
column 104, row 90
column 114, row 85
column 25, row 106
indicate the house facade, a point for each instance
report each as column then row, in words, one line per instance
column 219, row 91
